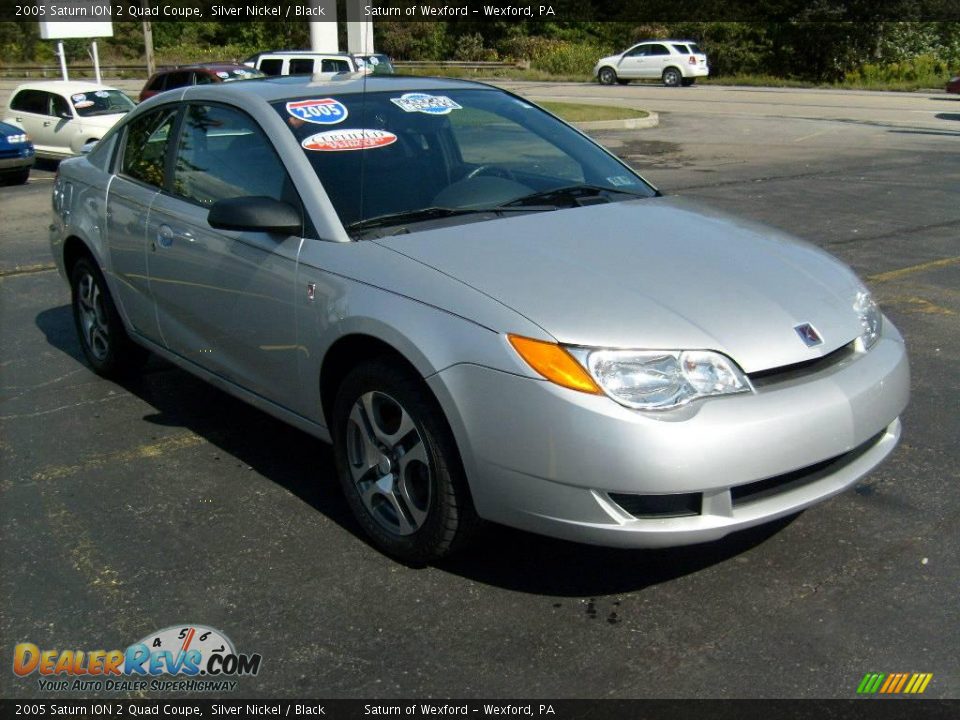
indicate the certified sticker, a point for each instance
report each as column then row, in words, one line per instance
column 359, row 139
column 322, row 111
column 423, row 103
column 102, row 93
column 223, row 75
column 78, row 97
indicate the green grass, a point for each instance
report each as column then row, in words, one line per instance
column 577, row 112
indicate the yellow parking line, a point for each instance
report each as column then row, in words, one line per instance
column 177, row 442
column 897, row 274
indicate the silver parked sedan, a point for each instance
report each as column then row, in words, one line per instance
column 486, row 313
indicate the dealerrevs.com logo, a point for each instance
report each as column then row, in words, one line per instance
column 197, row 657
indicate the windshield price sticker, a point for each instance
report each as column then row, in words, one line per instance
column 336, row 140
column 423, row 103
column 321, row 111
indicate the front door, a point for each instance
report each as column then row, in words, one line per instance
column 225, row 298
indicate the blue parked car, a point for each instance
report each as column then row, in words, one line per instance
column 16, row 154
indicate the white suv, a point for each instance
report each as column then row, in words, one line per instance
column 301, row 62
column 675, row 62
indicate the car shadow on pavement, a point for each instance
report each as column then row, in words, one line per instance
column 502, row 557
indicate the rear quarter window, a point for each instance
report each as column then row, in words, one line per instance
column 682, row 49
column 271, row 66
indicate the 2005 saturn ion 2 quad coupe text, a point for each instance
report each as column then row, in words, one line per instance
column 488, row 315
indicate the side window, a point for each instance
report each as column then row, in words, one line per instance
column 334, row 66
column 178, row 79
column 157, row 84
column 301, row 66
column 145, row 146
column 682, row 49
column 485, row 138
column 639, row 51
column 224, row 154
column 658, row 50
column 31, row 101
column 272, row 66
column 59, row 107
column 201, row 78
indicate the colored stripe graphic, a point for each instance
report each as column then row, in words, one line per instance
column 894, row 683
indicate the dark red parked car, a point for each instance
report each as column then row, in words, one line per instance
column 954, row 85
column 204, row 74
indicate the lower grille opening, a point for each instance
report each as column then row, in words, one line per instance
column 751, row 492
column 659, row 506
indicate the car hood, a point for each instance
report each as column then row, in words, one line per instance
column 658, row 273
column 609, row 60
column 101, row 121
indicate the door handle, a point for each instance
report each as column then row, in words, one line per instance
column 46, row 123
column 166, row 235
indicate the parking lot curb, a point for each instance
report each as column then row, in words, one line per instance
column 652, row 120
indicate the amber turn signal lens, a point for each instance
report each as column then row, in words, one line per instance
column 554, row 363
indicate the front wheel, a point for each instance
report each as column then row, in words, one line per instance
column 607, row 76
column 102, row 336
column 398, row 464
column 672, row 77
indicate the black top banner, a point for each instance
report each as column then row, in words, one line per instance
column 638, row 11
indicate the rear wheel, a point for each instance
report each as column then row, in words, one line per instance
column 607, row 76
column 399, row 466
column 102, row 336
column 672, row 77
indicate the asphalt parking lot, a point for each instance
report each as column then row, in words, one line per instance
column 129, row 508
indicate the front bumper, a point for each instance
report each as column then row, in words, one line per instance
column 20, row 162
column 546, row 459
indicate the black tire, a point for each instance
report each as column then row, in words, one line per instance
column 621, row 81
column 672, row 77
column 21, row 177
column 687, row 82
column 100, row 330
column 418, row 510
column 607, row 76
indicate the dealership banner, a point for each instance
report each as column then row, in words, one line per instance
column 477, row 10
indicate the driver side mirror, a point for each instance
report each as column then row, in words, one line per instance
column 256, row 214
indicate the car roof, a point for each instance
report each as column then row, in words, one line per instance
column 657, row 40
column 207, row 66
column 303, row 52
column 63, row 86
column 306, row 86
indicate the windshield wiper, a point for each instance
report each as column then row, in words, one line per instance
column 567, row 193
column 430, row 213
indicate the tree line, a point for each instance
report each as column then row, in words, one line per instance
column 820, row 51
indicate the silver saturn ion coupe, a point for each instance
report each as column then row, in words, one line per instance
column 487, row 314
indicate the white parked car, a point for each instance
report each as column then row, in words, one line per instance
column 675, row 62
column 61, row 117
column 301, row 62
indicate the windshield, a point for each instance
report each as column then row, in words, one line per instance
column 101, row 102
column 244, row 73
column 412, row 155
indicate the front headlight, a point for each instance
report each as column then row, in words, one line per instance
column 661, row 379
column 871, row 319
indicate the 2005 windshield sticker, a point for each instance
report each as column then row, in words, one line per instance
column 423, row 103
column 321, row 111
column 180, row 658
column 359, row 139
